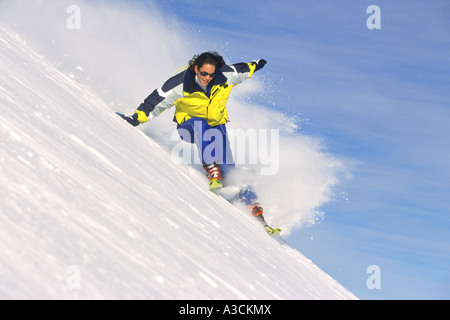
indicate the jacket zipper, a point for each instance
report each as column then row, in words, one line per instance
column 212, row 95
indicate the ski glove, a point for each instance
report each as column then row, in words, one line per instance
column 133, row 120
column 260, row 63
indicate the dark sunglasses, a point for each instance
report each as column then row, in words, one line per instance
column 204, row 74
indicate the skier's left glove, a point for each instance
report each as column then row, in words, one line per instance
column 260, row 63
column 133, row 120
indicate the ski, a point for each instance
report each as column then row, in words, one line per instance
column 273, row 232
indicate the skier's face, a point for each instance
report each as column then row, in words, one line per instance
column 205, row 73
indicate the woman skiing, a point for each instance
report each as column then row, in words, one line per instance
column 200, row 93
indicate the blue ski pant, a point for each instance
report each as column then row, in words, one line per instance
column 212, row 143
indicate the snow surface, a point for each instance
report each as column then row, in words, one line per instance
column 93, row 208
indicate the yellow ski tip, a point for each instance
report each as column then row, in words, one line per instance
column 215, row 185
column 273, row 232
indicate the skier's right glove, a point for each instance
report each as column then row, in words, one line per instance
column 133, row 120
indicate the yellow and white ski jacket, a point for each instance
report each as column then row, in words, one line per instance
column 191, row 100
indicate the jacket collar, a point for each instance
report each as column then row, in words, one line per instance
column 191, row 86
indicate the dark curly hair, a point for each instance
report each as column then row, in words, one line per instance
column 211, row 57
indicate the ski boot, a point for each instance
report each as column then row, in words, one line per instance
column 257, row 211
column 248, row 197
column 215, row 177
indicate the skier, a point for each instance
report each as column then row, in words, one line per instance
column 200, row 93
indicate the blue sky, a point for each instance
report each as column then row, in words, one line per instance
column 377, row 98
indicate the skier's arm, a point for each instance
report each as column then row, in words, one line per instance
column 238, row 72
column 159, row 100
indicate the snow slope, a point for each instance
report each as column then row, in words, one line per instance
column 93, row 208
